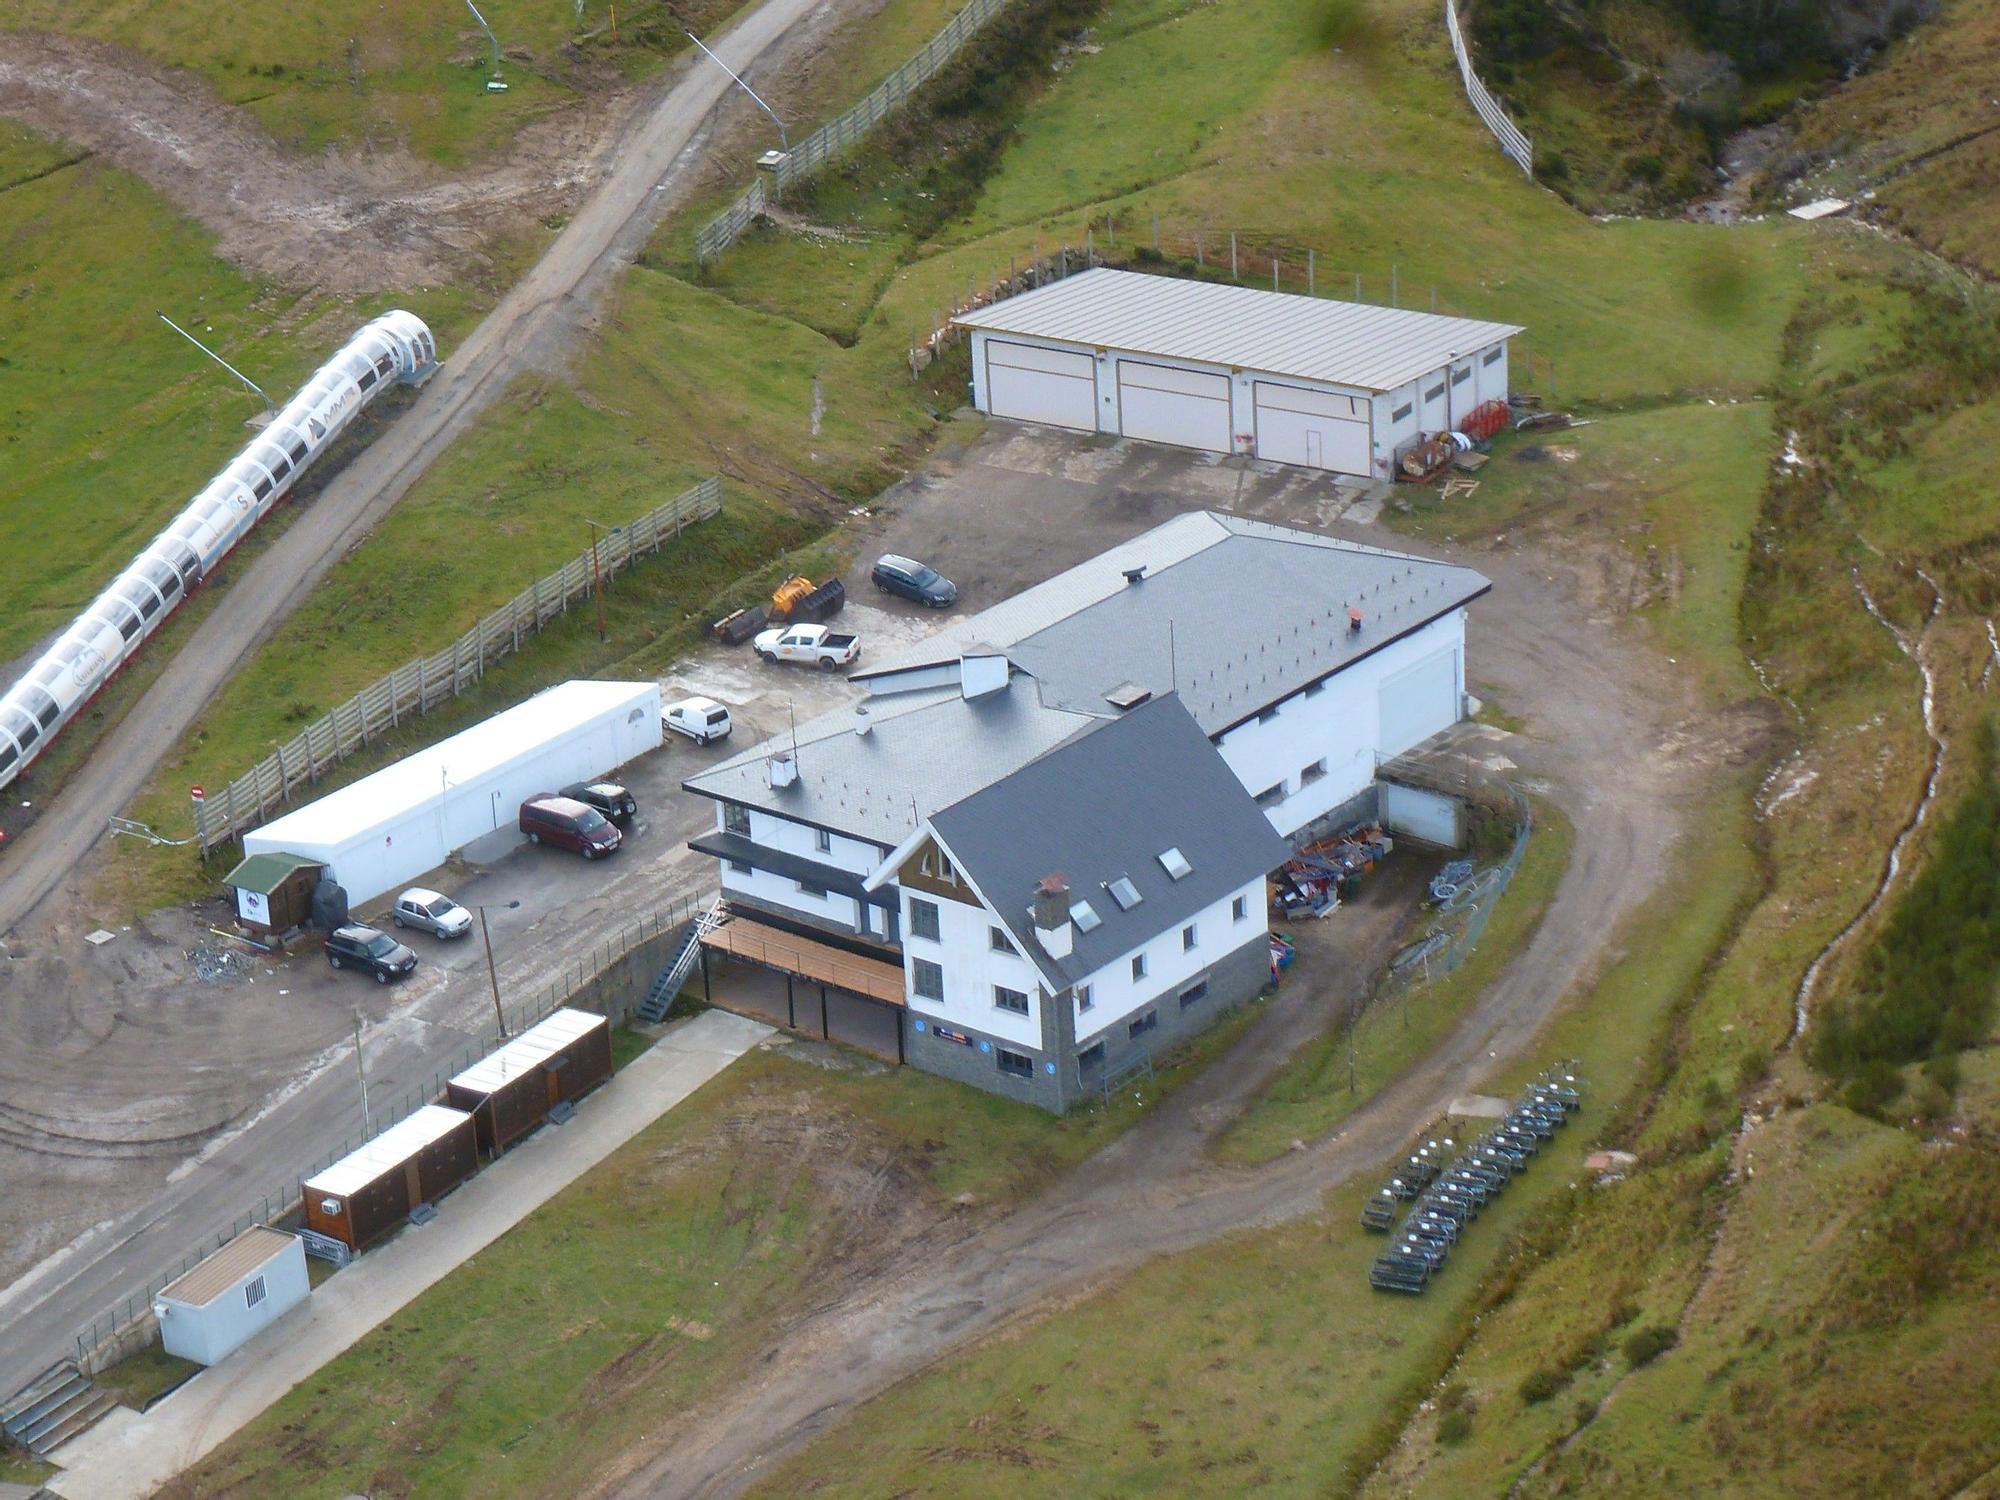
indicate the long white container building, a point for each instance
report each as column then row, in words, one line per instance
column 1341, row 386
column 386, row 829
column 236, row 1293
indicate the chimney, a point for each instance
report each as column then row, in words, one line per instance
column 784, row 770
column 1050, row 910
column 1134, row 575
column 863, row 722
column 1354, row 622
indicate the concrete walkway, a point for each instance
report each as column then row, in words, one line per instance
column 129, row 1454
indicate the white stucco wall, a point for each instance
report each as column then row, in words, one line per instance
column 1116, row 997
column 1340, row 722
column 971, row 970
column 772, row 832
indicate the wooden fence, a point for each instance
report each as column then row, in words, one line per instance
column 416, row 687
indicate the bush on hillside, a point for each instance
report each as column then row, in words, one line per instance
column 1926, row 984
column 1648, row 1344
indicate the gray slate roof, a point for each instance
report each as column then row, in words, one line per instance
column 1256, row 613
column 1104, row 804
column 925, row 751
column 1350, row 344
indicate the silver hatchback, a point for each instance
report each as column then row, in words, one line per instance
column 433, row 913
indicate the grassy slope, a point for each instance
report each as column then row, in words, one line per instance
column 1919, row 130
column 358, row 75
column 1262, row 1363
column 100, row 452
column 662, row 1270
column 1808, row 1354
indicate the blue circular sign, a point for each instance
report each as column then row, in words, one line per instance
column 920, row 1026
column 985, row 1046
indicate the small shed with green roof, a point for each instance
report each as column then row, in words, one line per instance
column 274, row 890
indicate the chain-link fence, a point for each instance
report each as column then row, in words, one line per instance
column 126, row 1324
column 1513, row 141
column 416, row 687
column 1465, row 898
column 827, row 142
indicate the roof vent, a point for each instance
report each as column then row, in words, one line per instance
column 1134, row 575
column 1353, row 621
column 784, row 771
column 1127, row 695
column 863, row 721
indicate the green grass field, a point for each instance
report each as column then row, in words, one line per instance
column 1264, row 1362
column 659, row 1272
column 101, row 451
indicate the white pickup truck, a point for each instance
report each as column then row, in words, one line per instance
column 813, row 643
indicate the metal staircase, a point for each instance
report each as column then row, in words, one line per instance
column 668, row 986
column 54, row 1407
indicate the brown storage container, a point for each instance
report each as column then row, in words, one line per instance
column 370, row 1191
column 512, row 1091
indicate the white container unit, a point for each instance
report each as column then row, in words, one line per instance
column 386, row 829
column 236, row 1293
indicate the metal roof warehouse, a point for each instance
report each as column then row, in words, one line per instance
column 1342, row 386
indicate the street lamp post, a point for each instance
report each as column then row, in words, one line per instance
column 492, row 972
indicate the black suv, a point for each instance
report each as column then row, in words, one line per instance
column 608, row 797
column 365, row 948
column 901, row 575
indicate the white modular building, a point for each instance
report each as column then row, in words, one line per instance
column 1340, row 386
column 237, row 1292
column 388, row 828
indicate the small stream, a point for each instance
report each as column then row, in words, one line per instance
column 1802, row 1002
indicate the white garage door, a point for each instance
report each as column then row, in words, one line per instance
column 1033, row 384
column 1184, row 407
column 1315, row 428
column 1419, row 701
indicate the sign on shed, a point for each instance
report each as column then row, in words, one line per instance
column 274, row 891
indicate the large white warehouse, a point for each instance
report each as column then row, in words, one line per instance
column 1341, row 386
column 390, row 827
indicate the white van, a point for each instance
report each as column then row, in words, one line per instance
column 700, row 719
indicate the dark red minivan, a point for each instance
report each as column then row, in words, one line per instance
column 568, row 824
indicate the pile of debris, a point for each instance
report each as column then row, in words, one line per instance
column 1316, row 878
column 1446, row 1192
column 217, row 965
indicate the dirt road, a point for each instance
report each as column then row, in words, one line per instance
column 1610, row 746
column 339, row 222
column 529, row 329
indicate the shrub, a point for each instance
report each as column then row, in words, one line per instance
column 1455, row 1426
column 1926, row 984
column 1648, row 168
column 1552, row 166
column 1539, row 1385
column 1648, row 1344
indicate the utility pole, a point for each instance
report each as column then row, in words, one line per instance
column 492, row 973
column 367, row 1129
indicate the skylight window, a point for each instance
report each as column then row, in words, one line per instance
column 1124, row 892
column 1175, row 864
column 1085, row 916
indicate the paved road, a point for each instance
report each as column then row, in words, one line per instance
column 1606, row 743
column 528, row 328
